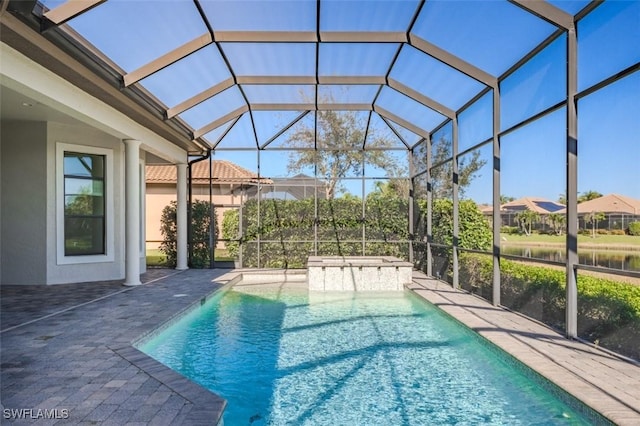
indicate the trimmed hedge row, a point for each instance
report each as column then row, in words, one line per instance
column 608, row 311
column 288, row 227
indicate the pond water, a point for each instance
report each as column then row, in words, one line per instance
column 624, row 260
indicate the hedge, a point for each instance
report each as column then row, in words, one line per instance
column 286, row 229
column 608, row 310
column 200, row 222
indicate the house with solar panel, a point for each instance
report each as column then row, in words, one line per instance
column 543, row 207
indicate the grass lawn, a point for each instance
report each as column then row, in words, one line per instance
column 583, row 240
column 156, row 258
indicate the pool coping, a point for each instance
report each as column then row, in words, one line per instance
column 208, row 407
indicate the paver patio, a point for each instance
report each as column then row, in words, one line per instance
column 78, row 357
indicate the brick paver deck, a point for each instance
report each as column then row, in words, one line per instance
column 73, row 352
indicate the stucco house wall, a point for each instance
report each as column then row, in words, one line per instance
column 113, row 268
column 31, row 210
column 24, row 202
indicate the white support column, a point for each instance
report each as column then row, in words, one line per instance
column 181, row 218
column 132, row 212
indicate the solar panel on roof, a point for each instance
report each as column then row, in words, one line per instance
column 549, row 206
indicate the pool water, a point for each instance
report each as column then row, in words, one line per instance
column 282, row 356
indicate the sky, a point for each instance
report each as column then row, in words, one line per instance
column 491, row 35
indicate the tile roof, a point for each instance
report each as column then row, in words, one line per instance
column 611, row 203
column 223, row 171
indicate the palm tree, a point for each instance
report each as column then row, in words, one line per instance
column 557, row 221
column 594, row 218
column 588, row 196
column 504, row 199
column 526, row 219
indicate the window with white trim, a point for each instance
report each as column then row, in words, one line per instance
column 85, row 231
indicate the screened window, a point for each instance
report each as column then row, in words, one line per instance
column 84, row 204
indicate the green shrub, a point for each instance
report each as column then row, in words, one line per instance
column 474, row 233
column 231, row 231
column 200, row 222
column 634, row 228
column 286, row 229
column 509, row 230
column 473, row 230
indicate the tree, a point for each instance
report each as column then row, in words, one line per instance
column 504, row 199
column 441, row 176
column 393, row 188
column 526, row 219
column 340, row 137
column 594, row 218
column 588, row 196
column 557, row 222
column 562, row 199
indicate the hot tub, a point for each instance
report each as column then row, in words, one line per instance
column 355, row 273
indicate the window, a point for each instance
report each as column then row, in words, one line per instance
column 85, row 217
column 84, row 202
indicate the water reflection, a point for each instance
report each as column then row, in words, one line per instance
column 626, row 261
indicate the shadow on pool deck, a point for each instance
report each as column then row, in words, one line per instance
column 69, row 347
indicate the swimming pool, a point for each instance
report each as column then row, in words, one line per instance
column 282, row 355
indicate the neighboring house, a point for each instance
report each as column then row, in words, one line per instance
column 536, row 204
column 619, row 211
column 542, row 206
column 230, row 185
column 297, row 187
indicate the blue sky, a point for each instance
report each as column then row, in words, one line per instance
column 492, row 35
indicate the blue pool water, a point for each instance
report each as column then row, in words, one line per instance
column 286, row 357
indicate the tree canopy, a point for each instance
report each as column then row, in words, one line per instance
column 441, row 176
column 337, row 150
